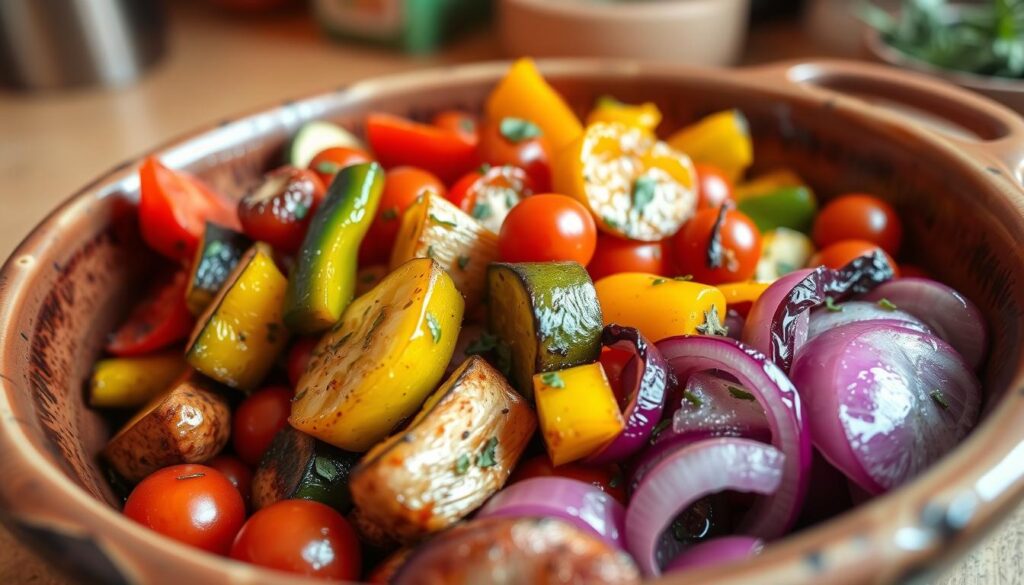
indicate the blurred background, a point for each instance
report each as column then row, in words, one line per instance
column 87, row 84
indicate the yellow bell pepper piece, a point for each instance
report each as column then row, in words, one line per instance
column 523, row 93
column 660, row 307
column 577, row 411
column 737, row 293
column 768, row 183
column 721, row 140
column 133, row 381
column 609, row 109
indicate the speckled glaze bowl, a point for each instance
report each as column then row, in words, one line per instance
column 960, row 199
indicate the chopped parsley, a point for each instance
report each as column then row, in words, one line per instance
column 832, row 306
column 486, row 457
column 887, row 305
column 552, row 380
column 740, row 394
column 939, row 399
column 518, row 129
column 325, row 469
column 481, row 210
column 463, row 261
column 692, row 398
column 643, row 191
column 430, row 252
column 462, row 464
column 444, row 222
column 327, row 167
column 300, row 211
column 434, row 326
column 484, row 168
column 610, row 222
column 660, row 428
column 658, row 281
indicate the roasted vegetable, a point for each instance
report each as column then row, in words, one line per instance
column 379, row 363
column 218, row 253
column 314, row 137
column 133, row 381
column 455, row 454
column 523, row 93
column 435, row 228
column 547, row 314
column 324, row 279
column 609, row 109
column 660, row 307
column 785, row 207
column 241, row 334
column 577, row 410
column 299, row 466
column 721, row 140
column 782, row 251
column 768, row 182
column 369, row 277
column 190, row 423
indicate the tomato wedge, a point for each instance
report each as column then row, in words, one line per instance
column 397, row 141
column 158, row 320
column 174, row 208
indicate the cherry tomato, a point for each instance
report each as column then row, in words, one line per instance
column 740, row 246
column 462, row 123
column 606, row 477
column 397, row 141
column 174, row 208
column 913, row 271
column 402, row 186
column 298, row 358
column 300, row 536
column 614, row 255
column 257, row 419
column 489, row 193
column 279, row 210
column 546, row 228
column 714, row 187
column 328, row 162
column 857, row 216
column 614, row 361
column 532, row 154
column 160, row 319
column 238, row 473
column 840, row 254
column 193, row 504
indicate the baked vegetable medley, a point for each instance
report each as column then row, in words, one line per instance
column 520, row 346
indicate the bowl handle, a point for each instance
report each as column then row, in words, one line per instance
column 990, row 132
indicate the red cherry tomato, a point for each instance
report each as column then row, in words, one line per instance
column 238, row 473
column 303, row 537
column 614, row 361
column 257, row 419
column 840, row 254
column 328, row 162
column 546, row 228
column 174, row 208
column 397, row 141
column 740, row 246
column 857, row 216
column 530, row 154
column 714, row 187
column 402, row 186
column 462, row 123
column 488, row 194
column 614, row 255
column 193, row 504
column 279, row 210
column 606, row 477
column 298, row 358
column 160, row 319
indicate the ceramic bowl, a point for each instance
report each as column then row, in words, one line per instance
column 961, row 201
column 693, row 32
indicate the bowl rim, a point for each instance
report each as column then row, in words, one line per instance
column 584, row 10
column 77, row 511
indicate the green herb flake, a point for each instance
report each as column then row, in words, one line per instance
column 518, row 129
column 887, row 305
column 462, row 464
column 616, row 479
column 832, row 306
column 430, row 252
column 939, row 399
column 660, row 428
column 434, row 326
column 367, row 278
column 327, row 167
column 713, row 324
column 610, row 222
column 740, row 394
column 692, row 398
column 444, row 222
column 463, row 261
column 782, row 267
column 483, row 344
column 484, row 169
column 644, row 188
column 326, row 469
column 552, row 380
column 658, row 281
column 481, row 210
column 300, row 211
column 684, row 278
column 486, row 458
column 389, row 214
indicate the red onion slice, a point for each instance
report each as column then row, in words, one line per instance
column 734, row 323
column 885, row 402
column 953, row 317
column 689, row 474
column 717, row 551
column 576, row 502
column 826, row 318
column 647, row 376
column 783, row 410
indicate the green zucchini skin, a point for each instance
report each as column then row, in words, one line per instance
column 218, row 254
column 297, row 466
column 323, row 281
column 547, row 313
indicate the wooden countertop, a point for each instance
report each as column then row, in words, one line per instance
column 52, row 144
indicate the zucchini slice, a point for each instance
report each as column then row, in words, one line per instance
column 217, row 255
column 548, row 315
column 379, row 363
column 297, row 466
column 133, row 381
column 316, row 136
column 190, row 423
column 456, row 453
column 241, row 333
column 435, row 228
